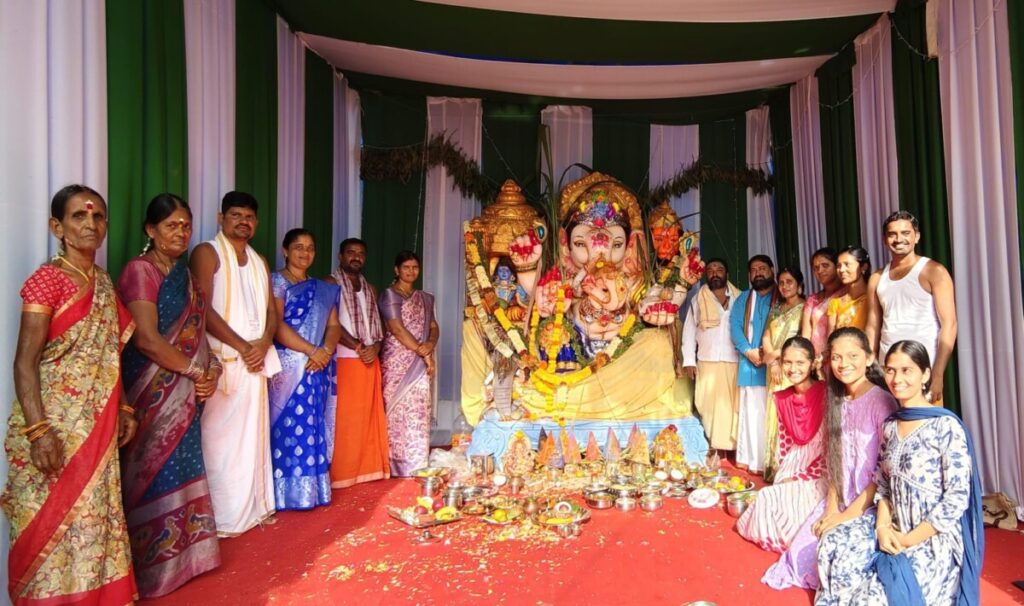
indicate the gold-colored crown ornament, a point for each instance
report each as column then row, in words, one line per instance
column 662, row 216
column 509, row 217
column 580, row 196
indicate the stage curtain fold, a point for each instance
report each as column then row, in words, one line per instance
column 348, row 196
column 622, row 150
column 723, row 212
column 787, row 240
column 977, row 122
column 256, row 116
column 675, row 148
column 877, row 170
column 760, row 214
column 807, row 177
column 291, row 134
column 445, row 211
column 839, row 151
column 1015, row 14
column 510, row 149
column 210, row 76
column 392, row 210
column 917, row 114
column 318, row 166
column 571, row 135
column 146, row 111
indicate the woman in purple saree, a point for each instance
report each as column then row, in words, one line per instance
column 407, row 366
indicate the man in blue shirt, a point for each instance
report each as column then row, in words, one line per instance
column 747, row 324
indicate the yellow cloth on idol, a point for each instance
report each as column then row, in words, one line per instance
column 640, row 385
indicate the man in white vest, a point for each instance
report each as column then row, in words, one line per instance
column 240, row 320
column 911, row 297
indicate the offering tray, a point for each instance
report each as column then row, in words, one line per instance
column 476, row 508
column 676, row 490
column 419, row 521
column 431, row 472
column 501, row 517
column 562, row 513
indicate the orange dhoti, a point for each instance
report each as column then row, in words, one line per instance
column 361, row 433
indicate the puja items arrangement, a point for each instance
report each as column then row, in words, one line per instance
column 558, row 485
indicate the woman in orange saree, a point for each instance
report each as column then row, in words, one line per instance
column 69, row 542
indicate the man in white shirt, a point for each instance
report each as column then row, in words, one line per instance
column 710, row 358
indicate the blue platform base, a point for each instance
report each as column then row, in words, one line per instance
column 492, row 436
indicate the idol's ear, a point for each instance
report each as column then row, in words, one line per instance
column 563, row 247
column 636, row 253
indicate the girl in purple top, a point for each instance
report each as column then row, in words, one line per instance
column 858, row 404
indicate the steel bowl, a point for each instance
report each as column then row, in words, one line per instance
column 453, row 498
column 624, row 490
column 600, row 500
column 651, row 502
column 625, row 503
column 737, row 503
column 431, row 485
column 595, row 487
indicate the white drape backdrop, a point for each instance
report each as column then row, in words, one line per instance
column 460, row 120
column 673, row 148
column 210, row 84
column 571, row 128
column 53, row 132
column 977, row 127
column 875, row 130
column 810, row 192
column 760, row 209
column 291, row 133
column 348, row 199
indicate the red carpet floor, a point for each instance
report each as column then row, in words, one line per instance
column 353, row 553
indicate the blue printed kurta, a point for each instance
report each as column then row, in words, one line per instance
column 927, row 477
column 749, row 375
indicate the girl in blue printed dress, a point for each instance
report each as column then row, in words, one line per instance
column 925, row 544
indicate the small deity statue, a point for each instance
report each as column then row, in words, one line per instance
column 677, row 269
column 603, row 308
column 511, row 295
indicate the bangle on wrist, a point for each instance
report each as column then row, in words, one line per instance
column 127, row 409
column 193, row 371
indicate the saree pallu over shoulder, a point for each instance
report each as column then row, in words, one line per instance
column 166, row 496
column 76, row 521
column 298, row 399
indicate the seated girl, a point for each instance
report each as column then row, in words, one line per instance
column 926, row 543
column 856, row 407
column 779, row 511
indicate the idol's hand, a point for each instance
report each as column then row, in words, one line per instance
column 525, row 251
column 47, row 453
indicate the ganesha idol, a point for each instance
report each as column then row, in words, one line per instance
column 587, row 342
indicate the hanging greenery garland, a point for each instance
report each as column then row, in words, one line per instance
column 401, row 163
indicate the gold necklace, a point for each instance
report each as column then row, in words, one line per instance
column 166, row 268
column 292, row 277
column 81, row 272
column 402, row 291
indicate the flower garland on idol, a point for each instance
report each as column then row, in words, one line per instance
column 547, row 335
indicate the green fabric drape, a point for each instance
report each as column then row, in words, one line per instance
column 318, row 172
column 256, row 116
column 839, row 150
column 622, row 149
column 1016, row 18
column 510, row 145
column 392, row 210
column 146, row 127
column 787, row 242
column 723, row 208
column 919, row 148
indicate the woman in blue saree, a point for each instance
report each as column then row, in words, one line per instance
column 305, row 339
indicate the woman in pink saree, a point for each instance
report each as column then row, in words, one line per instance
column 407, row 366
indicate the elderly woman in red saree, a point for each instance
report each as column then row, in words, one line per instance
column 69, row 543
column 168, row 370
column 407, row 366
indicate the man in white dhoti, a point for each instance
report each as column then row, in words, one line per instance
column 747, row 323
column 709, row 357
column 240, row 320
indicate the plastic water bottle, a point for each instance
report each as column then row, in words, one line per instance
column 462, row 432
